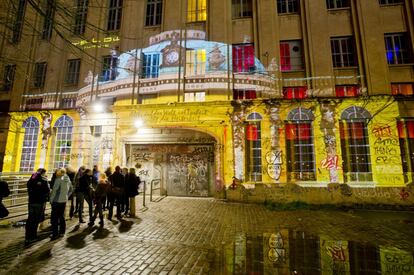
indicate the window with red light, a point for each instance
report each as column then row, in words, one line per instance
column 402, row 89
column 406, row 136
column 244, row 94
column 243, row 58
column 294, row 92
column 291, row 56
column 347, row 90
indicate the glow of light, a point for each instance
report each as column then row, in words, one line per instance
column 98, row 107
column 138, row 123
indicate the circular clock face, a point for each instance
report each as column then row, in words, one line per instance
column 172, row 57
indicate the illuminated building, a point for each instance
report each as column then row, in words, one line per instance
column 284, row 91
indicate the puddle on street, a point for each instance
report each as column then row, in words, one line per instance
column 293, row 252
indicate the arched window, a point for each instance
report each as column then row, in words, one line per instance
column 31, row 133
column 63, row 144
column 355, row 145
column 299, row 145
column 253, row 147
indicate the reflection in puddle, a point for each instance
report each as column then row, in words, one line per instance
column 293, row 252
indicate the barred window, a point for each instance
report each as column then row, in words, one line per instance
column 242, row 8
column 287, row 6
column 195, row 62
column 355, row 145
column 72, row 71
column 81, row 16
column 291, row 56
column 109, row 67
column 39, row 74
column 31, row 132
column 194, row 96
column 48, row 19
column 154, row 12
column 253, row 143
column 398, row 48
column 151, row 65
column 196, row 10
column 243, row 58
column 343, row 52
column 347, row 90
column 337, row 4
column 8, row 77
column 63, row 144
column 114, row 15
column 19, row 21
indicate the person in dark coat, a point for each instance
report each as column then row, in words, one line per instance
column 100, row 193
column 105, row 203
column 95, row 173
column 117, row 181
column 71, row 174
column 75, row 184
column 132, row 183
column 84, row 192
column 4, row 192
column 38, row 191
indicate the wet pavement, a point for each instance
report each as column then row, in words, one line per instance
column 207, row 236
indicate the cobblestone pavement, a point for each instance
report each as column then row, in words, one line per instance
column 190, row 236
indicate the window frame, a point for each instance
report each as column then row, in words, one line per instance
column 63, row 141
column 195, row 62
column 81, row 17
column 49, row 18
column 198, row 13
column 287, row 60
column 296, row 92
column 402, row 56
column 250, row 58
column 8, row 77
column 114, row 20
column 113, row 70
column 242, row 11
column 254, row 150
column 343, row 62
column 335, row 4
column 399, row 93
column 29, row 146
column 19, row 22
column 72, row 71
column 390, row 2
column 194, row 96
column 152, row 70
column 39, row 75
column 348, row 90
column 287, row 7
column 153, row 13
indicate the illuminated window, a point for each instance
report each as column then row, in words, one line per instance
column 287, row 6
column 244, row 94
column 355, row 145
column 242, row 8
column 347, row 90
column 253, row 143
column 390, row 2
column 80, row 16
column 34, row 103
column 243, row 58
column 48, row 19
column 114, row 15
column 63, row 144
column 291, row 58
column 195, row 62
column 151, row 65
column 39, row 75
column 109, row 67
column 299, row 145
column 343, row 52
column 337, row 4
column 68, row 103
column 294, row 92
column 398, row 48
column 19, row 21
column 72, row 71
column 154, row 13
column 196, row 10
column 194, row 96
column 31, row 132
column 402, row 89
column 8, row 77
column 406, row 136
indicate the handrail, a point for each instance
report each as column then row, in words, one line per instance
column 152, row 187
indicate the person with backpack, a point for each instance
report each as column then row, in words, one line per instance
column 61, row 191
column 38, row 191
column 4, row 192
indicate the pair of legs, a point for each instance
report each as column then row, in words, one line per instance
column 82, row 197
column 33, row 220
column 115, row 200
column 58, row 219
column 98, row 211
column 132, row 206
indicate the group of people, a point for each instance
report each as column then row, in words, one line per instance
column 101, row 191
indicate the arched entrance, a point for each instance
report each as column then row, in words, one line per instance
column 182, row 160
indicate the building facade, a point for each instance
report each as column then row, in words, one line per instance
column 196, row 92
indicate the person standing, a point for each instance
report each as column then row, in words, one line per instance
column 4, row 192
column 132, row 183
column 38, row 191
column 100, row 193
column 108, row 173
column 61, row 191
column 75, row 182
column 95, row 173
column 71, row 174
column 84, row 192
column 116, row 195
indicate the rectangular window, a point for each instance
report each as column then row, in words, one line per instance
column 147, row 98
column 287, row 6
column 114, row 15
column 151, row 65
column 337, row 4
column 355, row 151
column 398, row 48
column 81, row 16
column 48, row 19
column 194, row 96
column 343, row 52
column 8, row 77
column 291, row 57
column 109, row 67
column 253, row 151
column 34, row 103
column 39, row 74
column 72, row 71
column 244, row 94
column 300, row 151
column 195, row 62
column 196, row 10
column 390, row 2
column 347, row 90
column 242, row 8
column 68, row 103
column 154, row 13
column 406, row 138
column 243, row 58
column 295, row 92
column 19, row 21
column 406, row 89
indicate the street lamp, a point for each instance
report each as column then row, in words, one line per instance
column 98, row 107
column 138, row 123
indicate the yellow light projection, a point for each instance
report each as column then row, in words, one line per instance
column 196, row 10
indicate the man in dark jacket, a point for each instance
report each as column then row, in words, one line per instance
column 38, row 191
column 117, row 181
column 4, row 192
column 84, row 191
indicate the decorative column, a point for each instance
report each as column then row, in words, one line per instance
column 237, row 121
column 46, row 133
column 274, row 156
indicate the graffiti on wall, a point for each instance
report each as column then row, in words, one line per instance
column 395, row 261
column 327, row 125
column 274, row 157
column 237, row 119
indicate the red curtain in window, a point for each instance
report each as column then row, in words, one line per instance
column 285, row 57
column 237, row 58
column 249, row 56
column 243, row 58
column 251, row 132
column 251, row 94
column 294, row 92
column 409, row 125
column 357, row 130
column 344, row 91
column 402, row 89
column 300, row 131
